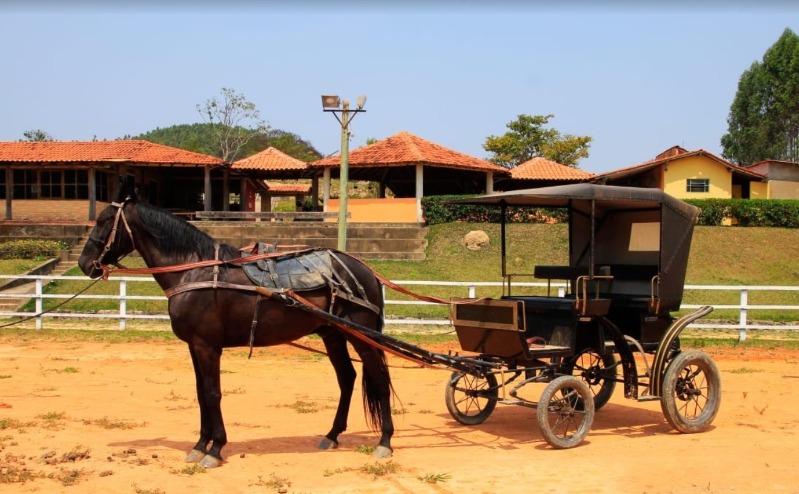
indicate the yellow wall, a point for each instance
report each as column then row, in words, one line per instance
column 759, row 190
column 680, row 170
column 388, row 210
column 783, row 189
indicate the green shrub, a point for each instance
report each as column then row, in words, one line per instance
column 782, row 213
column 437, row 209
column 30, row 249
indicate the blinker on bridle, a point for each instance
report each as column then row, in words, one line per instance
column 120, row 214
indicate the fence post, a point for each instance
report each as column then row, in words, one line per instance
column 742, row 318
column 383, row 310
column 472, row 291
column 38, row 304
column 123, row 303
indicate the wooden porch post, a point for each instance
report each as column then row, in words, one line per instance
column 207, row 190
column 419, row 191
column 92, row 194
column 9, row 192
column 315, row 193
column 225, row 190
column 489, row 182
column 326, row 188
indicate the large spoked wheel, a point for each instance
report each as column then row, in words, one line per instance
column 565, row 412
column 691, row 392
column 471, row 399
column 597, row 371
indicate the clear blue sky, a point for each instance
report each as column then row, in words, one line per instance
column 638, row 80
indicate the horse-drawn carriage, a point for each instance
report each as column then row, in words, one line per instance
column 628, row 253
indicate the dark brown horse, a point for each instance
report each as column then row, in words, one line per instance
column 210, row 317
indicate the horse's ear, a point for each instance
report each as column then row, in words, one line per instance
column 126, row 193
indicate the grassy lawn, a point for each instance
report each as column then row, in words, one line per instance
column 18, row 266
column 719, row 256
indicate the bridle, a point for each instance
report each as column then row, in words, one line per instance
column 120, row 214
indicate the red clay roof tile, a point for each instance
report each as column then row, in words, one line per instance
column 126, row 151
column 544, row 169
column 288, row 188
column 269, row 159
column 404, row 149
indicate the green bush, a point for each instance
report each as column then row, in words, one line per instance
column 437, row 209
column 30, row 249
column 782, row 213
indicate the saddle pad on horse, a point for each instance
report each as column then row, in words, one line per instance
column 304, row 270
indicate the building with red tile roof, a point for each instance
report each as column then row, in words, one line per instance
column 135, row 152
column 73, row 180
column 411, row 167
column 272, row 160
column 783, row 178
column 541, row 172
column 687, row 174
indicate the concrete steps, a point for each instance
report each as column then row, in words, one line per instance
column 388, row 241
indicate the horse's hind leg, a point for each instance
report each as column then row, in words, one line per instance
column 336, row 347
column 377, row 395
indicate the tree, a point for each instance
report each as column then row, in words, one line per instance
column 234, row 122
column 37, row 135
column 528, row 138
column 763, row 122
column 200, row 138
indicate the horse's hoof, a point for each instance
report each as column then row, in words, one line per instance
column 382, row 452
column 210, row 462
column 327, row 444
column 195, row 456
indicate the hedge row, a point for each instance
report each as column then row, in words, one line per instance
column 743, row 212
column 30, row 249
column 436, row 210
column 748, row 212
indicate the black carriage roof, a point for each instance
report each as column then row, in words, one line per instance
column 609, row 196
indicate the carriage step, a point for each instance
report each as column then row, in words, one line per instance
column 649, row 398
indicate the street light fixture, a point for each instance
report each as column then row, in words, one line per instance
column 335, row 105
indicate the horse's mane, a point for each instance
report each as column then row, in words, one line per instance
column 175, row 236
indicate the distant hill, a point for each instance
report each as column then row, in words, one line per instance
column 199, row 138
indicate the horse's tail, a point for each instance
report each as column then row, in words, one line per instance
column 375, row 384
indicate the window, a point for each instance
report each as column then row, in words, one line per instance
column 697, row 185
column 51, row 187
column 25, row 184
column 76, row 184
column 101, row 187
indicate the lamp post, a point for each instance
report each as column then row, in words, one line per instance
column 336, row 106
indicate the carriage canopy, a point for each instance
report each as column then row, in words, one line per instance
column 627, row 228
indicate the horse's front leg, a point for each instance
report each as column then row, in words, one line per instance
column 336, row 347
column 206, row 361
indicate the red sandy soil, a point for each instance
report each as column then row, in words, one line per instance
column 120, row 417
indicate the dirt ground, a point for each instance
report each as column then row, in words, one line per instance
column 120, row 417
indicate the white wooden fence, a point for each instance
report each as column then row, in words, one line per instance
column 469, row 289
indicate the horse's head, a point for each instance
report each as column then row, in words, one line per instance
column 110, row 240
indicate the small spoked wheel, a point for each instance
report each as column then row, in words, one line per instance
column 471, row 399
column 565, row 412
column 691, row 392
column 597, row 370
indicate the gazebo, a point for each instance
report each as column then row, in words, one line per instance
column 271, row 163
column 410, row 167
